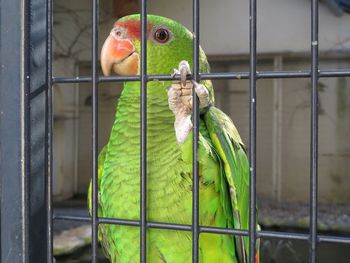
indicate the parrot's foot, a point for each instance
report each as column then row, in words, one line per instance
column 180, row 100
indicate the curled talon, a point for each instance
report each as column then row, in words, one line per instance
column 183, row 77
column 202, row 94
column 184, row 69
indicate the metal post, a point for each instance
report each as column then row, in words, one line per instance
column 14, row 205
column 94, row 221
column 23, row 131
column 49, row 134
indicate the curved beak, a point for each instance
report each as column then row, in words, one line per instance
column 119, row 55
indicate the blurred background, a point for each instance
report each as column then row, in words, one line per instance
column 283, row 107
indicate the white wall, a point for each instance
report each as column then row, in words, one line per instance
column 283, row 25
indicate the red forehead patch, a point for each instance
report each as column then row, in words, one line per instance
column 133, row 28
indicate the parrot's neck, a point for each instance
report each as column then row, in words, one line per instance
column 160, row 119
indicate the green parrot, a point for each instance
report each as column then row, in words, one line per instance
column 223, row 163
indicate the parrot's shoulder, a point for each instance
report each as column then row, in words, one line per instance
column 217, row 121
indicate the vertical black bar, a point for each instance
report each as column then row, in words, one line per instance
column 195, row 118
column 314, row 132
column 252, row 130
column 23, row 144
column 49, row 133
column 143, row 139
column 95, row 20
column 13, row 162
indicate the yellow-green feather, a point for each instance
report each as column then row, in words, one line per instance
column 231, row 151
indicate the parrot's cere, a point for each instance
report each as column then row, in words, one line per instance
column 223, row 164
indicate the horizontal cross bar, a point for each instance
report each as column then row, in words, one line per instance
column 224, row 75
column 207, row 229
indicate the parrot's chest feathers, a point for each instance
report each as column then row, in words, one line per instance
column 161, row 139
column 168, row 178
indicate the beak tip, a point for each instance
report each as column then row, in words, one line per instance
column 104, row 61
column 106, row 67
column 105, row 72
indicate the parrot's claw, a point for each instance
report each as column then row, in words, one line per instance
column 202, row 93
column 180, row 100
column 183, row 71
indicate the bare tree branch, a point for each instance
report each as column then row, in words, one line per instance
column 66, row 45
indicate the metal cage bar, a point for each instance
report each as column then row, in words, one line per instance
column 49, row 135
column 195, row 134
column 314, row 132
column 143, row 132
column 217, row 76
column 204, row 229
column 94, row 212
column 252, row 129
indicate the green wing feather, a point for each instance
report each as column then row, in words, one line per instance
column 101, row 233
column 100, row 161
column 229, row 146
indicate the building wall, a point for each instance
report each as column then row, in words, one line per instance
column 283, row 25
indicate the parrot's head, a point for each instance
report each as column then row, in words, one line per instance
column 168, row 43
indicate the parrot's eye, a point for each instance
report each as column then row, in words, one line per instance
column 162, row 35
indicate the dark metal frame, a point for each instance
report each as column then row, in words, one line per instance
column 24, row 131
column 21, row 88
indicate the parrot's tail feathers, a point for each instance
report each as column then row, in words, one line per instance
column 257, row 257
